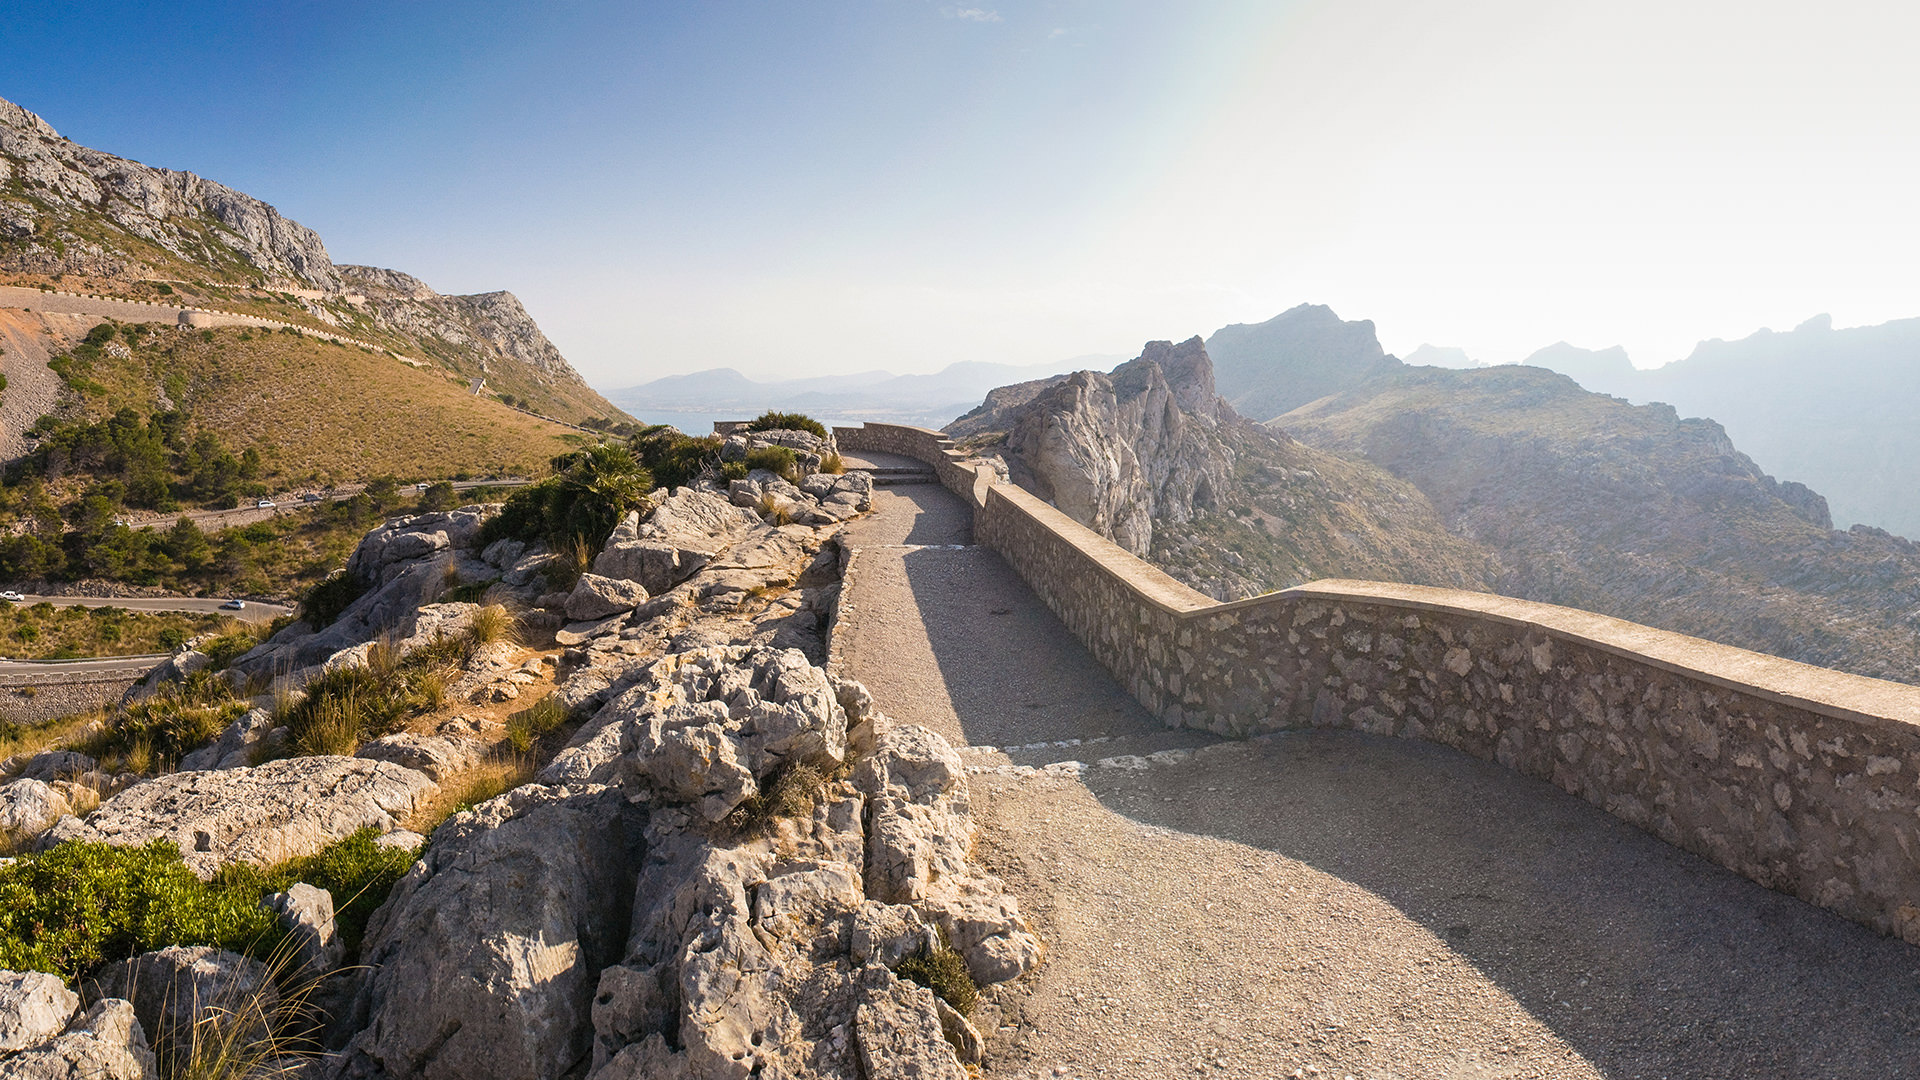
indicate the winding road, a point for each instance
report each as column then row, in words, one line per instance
column 1330, row 904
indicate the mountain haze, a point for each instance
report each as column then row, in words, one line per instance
column 1299, row 355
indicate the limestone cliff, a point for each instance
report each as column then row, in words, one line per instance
column 82, row 220
column 1151, row 457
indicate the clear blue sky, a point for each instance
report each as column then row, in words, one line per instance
column 791, row 188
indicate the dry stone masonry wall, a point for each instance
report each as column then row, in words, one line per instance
column 1803, row 779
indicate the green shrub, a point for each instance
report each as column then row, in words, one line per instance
column 227, row 648
column 787, row 421
column 348, row 705
column 357, row 871
column 80, row 905
column 675, row 459
column 439, row 496
column 327, row 599
column 944, row 971
column 775, row 459
column 587, row 495
column 733, row 470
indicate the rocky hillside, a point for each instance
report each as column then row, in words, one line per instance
column 82, row 220
column 1634, row 512
column 1299, row 355
column 1151, row 457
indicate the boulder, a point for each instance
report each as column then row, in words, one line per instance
column 306, row 913
column 34, row 1007
column 235, row 746
column 188, row 993
column 27, row 809
column 262, row 815
column 578, row 633
column 58, row 765
column 486, row 955
column 682, row 534
column 596, row 597
column 105, row 1043
column 502, row 554
column 438, row 756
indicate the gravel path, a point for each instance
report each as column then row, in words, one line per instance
column 1327, row 904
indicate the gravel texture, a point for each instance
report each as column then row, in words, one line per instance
column 1328, row 904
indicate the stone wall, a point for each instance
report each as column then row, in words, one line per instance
column 1803, row 779
column 30, row 699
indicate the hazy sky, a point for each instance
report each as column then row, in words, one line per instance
column 804, row 187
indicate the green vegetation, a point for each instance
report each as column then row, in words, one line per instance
column 82, row 905
column 787, row 421
column 588, row 493
column 330, row 596
column 675, row 459
column 45, row 632
column 944, row 971
column 775, row 459
column 350, row 705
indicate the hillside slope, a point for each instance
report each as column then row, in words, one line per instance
column 1633, row 512
column 83, row 220
column 1834, row 408
column 1150, row 457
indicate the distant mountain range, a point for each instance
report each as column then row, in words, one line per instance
column 1833, row 409
column 929, row 400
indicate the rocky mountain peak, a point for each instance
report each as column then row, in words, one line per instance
column 1300, row 355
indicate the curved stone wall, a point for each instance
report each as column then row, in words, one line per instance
column 1803, row 779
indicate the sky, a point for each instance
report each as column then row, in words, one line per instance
column 800, row 188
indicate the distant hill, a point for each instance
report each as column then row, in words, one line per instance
column 928, row 400
column 1634, row 512
column 82, row 220
column 1302, row 354
column 1835, row 409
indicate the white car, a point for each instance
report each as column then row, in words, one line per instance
column 234, row 605
column 264, row 504
column 12, row 597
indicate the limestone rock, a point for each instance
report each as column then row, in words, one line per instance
column 29, row 808
column 682, row 534
column 183, row 987
column 34, row 1007
column 263, row 815
column 105, row 1043
column 487, row 954
column 595, row 597
column 438, row 756
column 58, row 765
column 235, row 746
column 899, row 1031
column 306, row 912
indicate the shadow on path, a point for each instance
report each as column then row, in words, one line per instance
column 1649, row 961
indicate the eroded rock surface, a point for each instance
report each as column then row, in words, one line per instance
column 263, row 815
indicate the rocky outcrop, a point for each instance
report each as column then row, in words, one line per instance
column 1300, row 355
column 683, row 532
column 34, row 1007
column 306, row 914
column 486, row 955
column 104, row 1043
column 190, row 217
column 262, row 815
column 1151, row 458
column 253, row 732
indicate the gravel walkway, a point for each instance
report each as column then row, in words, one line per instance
column 1327, row 904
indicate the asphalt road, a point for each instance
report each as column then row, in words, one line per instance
column 253, row 612
column 65, row 667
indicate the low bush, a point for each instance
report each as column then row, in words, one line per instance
column 587, row 495
column 776, row 459
column 673, row 458
column 787, row 421
column 350, row 705
column 791, row 791
column 733, row 470
column 944, row 971
column 323, row 603
column 80, row 905
column 159, row 731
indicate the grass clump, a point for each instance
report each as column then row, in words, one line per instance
column 349, row 705
column 787, row 421
column 531, row 724
column 943, row 970
column 792, row 790
column 587, row 495
column 675, row 459
column 833, row 463
column 158, row 732
column 780, row 460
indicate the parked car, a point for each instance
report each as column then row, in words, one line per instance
column 264, row 504
column 12, row 597
column 234, row 605
column 309, row 497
